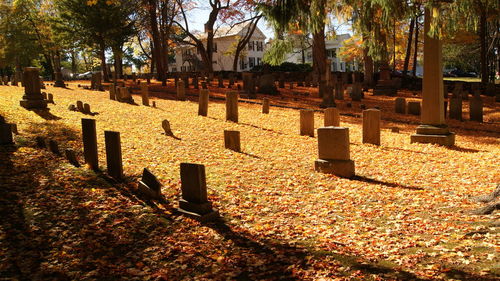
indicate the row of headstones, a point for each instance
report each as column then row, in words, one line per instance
column 455, row 108
column 81, row 107
column 194, row 201
column 124, row 94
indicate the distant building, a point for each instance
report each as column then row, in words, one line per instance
column 332, row 49
column 187, row 57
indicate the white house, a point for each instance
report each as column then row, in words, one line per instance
column 188, row 59
column 332, row 49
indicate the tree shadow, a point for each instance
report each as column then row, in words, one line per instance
column 46, row 114
column 389, row 184
column 463, row 149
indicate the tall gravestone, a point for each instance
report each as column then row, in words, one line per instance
column 194, row 202
column 433, row 128
column 114, row 154
column 476, row 108
column 89, row 136
column 332, row 117
column 145, row 93
column 33, row 98
column 232, row 106
column 371, row 126
column 307, row 122
column 203, row 103
column 333, row 152
column 265, row 106
column 181, row 90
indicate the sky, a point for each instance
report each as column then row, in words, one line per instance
column 198, row 16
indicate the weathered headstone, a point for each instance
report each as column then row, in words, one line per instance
column 232, row 106
column 40, row 142
column 145, row 94
column 166, row 127
column 203, row 103
column 476, row 109
column 181, row 90
column 50, row 98
column 357, row 92
column 96, row 81
column 333, row 150
column 32, row 95
column 154, row 104
column 86, row 108
column 232, row 140
column 150, row 185
column 413, row 107
column 54, row 147
column 6, row 134
column 332, row 117
column 307, row 122
column 79, row 106
column 265, row 106
column 456, row 108
column 266, row 84
column 400, row 106
column 194, row 202
column 89, row 136
column 71, row 157
column 371, row 126
column 114, row 154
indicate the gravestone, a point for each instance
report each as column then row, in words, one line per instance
column 332, row 117
column 265, row 106
column 400, row 105
column 71, row 157
column 371, row 126
column 266, row 85
column 86, row 108
column 181, row 90
column 113, row 154
column 185, row 79
column 154, row 104
column 96, row 81
column 150, row 185
column 456, row 108
column 232, row 106
column 385, row 86
column 194, row 202
column 89, row 137
column 232, row 140
column 476, row 109
column 357, row 92
column 145, row 94
column 50, row 98
column 333, row 150
column 79, row 106
column 247, row 78
column 125, row 95
column 307, row 122
column 54, row 147
column 32, row 98
column 13, row 126
column 40, row 142
column 112, row 92
column 195, row 82
column 6, row 134
column 395, row 129
column 166, row 127
column 203, row 103
column 413, row 107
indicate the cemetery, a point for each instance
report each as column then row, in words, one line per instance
column 253, row 175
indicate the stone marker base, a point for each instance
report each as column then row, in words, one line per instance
column 446, row 140
column 202, row 212
column 33, row 104
column 341, row 168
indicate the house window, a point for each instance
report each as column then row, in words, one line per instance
column 251, row 45
column 183, row 68
column 341, row 66
column 174, row 69
column 242, row 63
column 334, row 53
column 259, row 61
column 260, row 46
column 251, row 62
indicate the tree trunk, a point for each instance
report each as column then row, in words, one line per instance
column 156, row 51
column 415, row 54
column 482, row 38
column 368, row 66
column 408, row 47
column 102, row 55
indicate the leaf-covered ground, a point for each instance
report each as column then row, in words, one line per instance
column 405, row 216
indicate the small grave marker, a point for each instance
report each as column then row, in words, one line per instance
column 232, row 106
column 332, row 117
column 265, row 106
column 54, row 147
column 232, row 140
column 194, row 202
column 371, row 126
column 203, row 103
column 40, row 142
column 150, row 186
column 333, row 150
column 114, row 154
column 307, row 122
column 413, row 107
column 89, row 137
column 71, row 157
